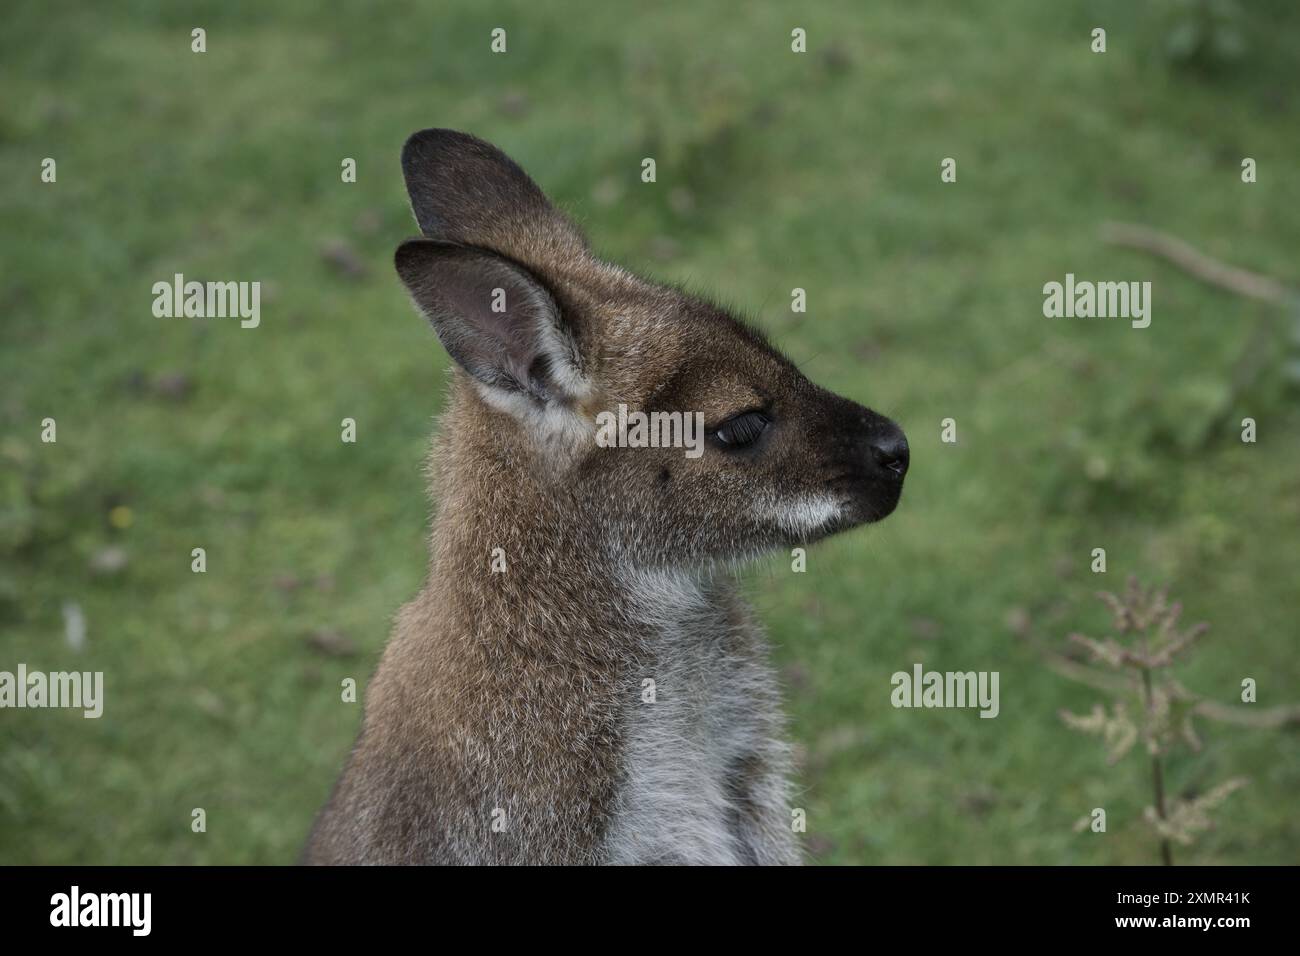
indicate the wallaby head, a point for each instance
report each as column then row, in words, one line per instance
column 551, row 342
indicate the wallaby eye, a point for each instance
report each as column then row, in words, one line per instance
column 742, row 430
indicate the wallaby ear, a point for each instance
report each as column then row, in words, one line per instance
column 495, row 320
column 467, row 191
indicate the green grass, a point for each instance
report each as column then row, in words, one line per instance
column 818, row 171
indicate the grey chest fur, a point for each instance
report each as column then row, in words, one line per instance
column 705, row 765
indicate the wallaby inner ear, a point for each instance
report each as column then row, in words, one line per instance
column 495, row 320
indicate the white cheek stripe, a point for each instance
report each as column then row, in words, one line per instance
column 805, row 515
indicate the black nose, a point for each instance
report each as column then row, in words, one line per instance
column 889, row 450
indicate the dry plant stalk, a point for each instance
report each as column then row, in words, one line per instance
column 1147, row 641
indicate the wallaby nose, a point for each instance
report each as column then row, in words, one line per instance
column 890, row 452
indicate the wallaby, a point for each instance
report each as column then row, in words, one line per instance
column 580, row 680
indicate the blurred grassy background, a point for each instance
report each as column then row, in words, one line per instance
column 774, row 171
